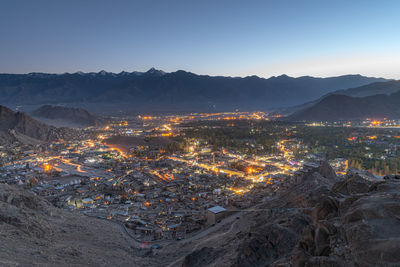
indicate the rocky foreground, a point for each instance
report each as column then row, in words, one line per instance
column 34, row 233
column 317, row 219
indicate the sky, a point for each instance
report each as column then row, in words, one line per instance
column 214, row 37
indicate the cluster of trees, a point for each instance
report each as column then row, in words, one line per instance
column 243, row 136
column 177, row 144
column 376, row 166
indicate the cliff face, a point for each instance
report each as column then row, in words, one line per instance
column 317, row 220
column 19, row 126
column 33, row 232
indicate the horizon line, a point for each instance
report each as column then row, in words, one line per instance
column 210, row 75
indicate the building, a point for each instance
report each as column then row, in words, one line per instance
column 215, row 214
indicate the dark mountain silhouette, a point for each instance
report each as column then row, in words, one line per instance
column 377, row 88
column 175, row 90
column 341, row 107
column 67, row 115
column 19, row 126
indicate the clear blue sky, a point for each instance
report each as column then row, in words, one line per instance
column 216, row 37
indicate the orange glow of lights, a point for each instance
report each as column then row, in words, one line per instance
column 117, row 149
column 238, row 191
column 90, row 144
column 251, row 170
column 169, row 176
column 47, row 167
column 78, row 167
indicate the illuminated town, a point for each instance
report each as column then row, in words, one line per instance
column 199, row 133
column 154, row 175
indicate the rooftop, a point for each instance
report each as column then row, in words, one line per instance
column 217, row 209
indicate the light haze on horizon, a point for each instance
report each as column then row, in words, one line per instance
column 230, row 38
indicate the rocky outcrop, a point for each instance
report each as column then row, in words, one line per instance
column 34, row 233
column 325, row 220
column 201, row 257
column 17, row 126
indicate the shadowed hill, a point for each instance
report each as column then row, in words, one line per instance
column 372, row 89
column 377, row 88
column 341, row 107
column 17, row 125
column 58, row 115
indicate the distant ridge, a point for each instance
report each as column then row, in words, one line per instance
column 376, row 88
column 337, row 107
column 178, row 90
column 67, row 115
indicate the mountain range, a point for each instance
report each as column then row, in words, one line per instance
column 377, row 100
column 157, row 90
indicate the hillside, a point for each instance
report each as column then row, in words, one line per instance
column 157, row 90
column 34, row 233
column 341, row 107
column 19, row 126
column 387, row 88
column 66, row 116
column 377, row 88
